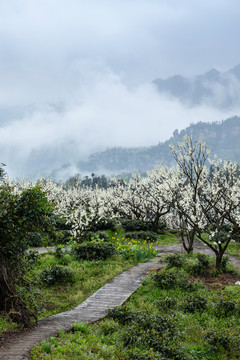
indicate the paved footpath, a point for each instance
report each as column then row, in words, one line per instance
column 113, row 294
column 178, row 248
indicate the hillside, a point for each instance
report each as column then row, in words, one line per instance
column 222, row 139
column 215, row 88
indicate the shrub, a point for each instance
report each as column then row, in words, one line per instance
column 35, row 240
column 109, row 327
column 136, row 225
column 202, row 264
column 224, row 307
column 142, row 235
column 175, row 260
column 97, row 236
column 141, row 225
column 165, row 279
column 194, row 303
column 94, row 251
column 32, row 256
column 166, row 304
column 57, row 274
column 223, row 339
column 150, row 336
column 59, row 252
column 104, row 225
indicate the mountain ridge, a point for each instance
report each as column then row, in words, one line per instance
column 215, row 88
column 222, row 139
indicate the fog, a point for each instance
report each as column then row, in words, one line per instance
column 76, row 77
column 104, row 114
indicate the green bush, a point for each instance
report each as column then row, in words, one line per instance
column 223, row 339
column 166, row 304
column 32, row 257
column 194, row 303
column 225, row 307
column 57, row 274
column 176, row 260
column 104, row 225
column 142, row 235
column 35, row 240
column 135, row 225
column 165, row 279
column 149, row 336
column 202, row 265
column 94, row 251
column 96, row 236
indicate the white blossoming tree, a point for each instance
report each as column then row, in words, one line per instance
column 207, row 202
column 142, row 198
column 80, row 207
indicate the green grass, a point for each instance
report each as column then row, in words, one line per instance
column 6, row 324
column 89, row 277
column 167, row 239
column 234, row 249
column 116, row 339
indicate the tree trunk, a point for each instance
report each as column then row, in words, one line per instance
column 219, row 260
column 10, row 303
column 187, row 241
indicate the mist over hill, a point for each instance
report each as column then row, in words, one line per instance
column 110, row 128
column 215, row 88
column 222, row 139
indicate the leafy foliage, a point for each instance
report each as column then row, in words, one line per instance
column 142, row 235
column 165, row 279
column 94, row 251
column 57, row 274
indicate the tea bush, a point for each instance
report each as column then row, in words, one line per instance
column 94, row 251
column 104, row 225
column 166, row 304
column 142, row 235
column 194, row 303
column 225, row 307
column 150, row 336
column 176, row 260
column 135, row 225
column 165, row 279
column 57, row 274
column 140, row 225
column 223, row 339
column 202, row 264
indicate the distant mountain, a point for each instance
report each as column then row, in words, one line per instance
column 222, row 139
column 215, row 88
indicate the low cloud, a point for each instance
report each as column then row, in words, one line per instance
column 102, row 112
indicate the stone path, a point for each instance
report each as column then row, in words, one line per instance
column 178, row 248
column 114, row 293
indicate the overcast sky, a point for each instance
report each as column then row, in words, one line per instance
column 83, row 69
